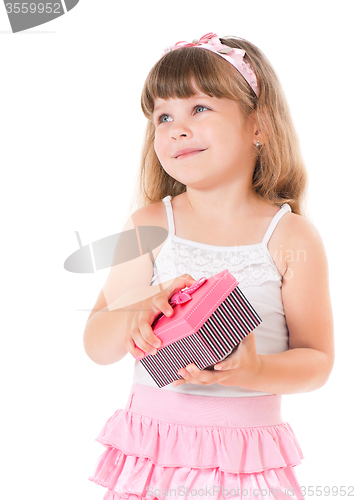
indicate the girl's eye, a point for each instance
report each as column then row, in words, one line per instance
column 197, row 107
column 161, row 119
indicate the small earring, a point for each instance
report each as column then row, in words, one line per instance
column 257, row 144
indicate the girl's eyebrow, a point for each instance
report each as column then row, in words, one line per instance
column 158, row 107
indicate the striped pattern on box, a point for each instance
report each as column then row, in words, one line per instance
column 230, row 323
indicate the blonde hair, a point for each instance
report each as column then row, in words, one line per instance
column 280, row 175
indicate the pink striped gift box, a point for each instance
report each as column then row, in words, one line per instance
column 209, row 320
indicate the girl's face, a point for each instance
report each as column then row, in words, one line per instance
column 201, row 141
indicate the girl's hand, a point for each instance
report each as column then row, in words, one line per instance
column 140, row 316
column 240, row 368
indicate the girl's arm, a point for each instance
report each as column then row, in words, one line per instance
column 104, row 331
column 306, row 299
column 306, row 366
column 127, row 285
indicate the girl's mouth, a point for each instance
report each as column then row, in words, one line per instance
column 188, row 153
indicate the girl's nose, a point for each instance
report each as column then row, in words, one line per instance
column 180, row 130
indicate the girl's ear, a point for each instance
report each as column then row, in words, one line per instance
column 263, row 125
column 257, row 130
column 259, row 137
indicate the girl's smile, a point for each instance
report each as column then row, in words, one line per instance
column 183, row 153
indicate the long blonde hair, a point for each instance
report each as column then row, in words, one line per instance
column 280, row 175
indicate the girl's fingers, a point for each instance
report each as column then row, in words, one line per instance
column 181, row 282
column 137, row 336
column 140, row 346
column 161, row 299
column 178, row 382
column 229, row 362
column 193, row 375
column 130, row 345
column 145, row 326
column 132, row 349
column 160, row 305
column 140, row 337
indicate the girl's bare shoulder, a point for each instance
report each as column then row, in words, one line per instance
column 151, row 215
column 296, row 229
column 295, row 238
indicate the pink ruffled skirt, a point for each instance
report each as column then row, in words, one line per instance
column 168, row 445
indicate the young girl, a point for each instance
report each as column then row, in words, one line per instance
column 222, row 172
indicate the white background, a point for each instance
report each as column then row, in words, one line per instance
column 71, row 136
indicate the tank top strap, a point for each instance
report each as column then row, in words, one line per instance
column 283, row 210
column 169, row 210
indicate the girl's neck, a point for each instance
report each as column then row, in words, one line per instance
column 222, row 204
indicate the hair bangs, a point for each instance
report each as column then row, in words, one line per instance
column 180, row 73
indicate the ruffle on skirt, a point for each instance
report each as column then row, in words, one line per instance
column 148, row 458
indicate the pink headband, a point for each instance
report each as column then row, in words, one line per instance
column 211, row 42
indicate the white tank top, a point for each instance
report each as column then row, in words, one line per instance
column 258, row 278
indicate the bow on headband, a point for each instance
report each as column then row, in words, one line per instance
column 211, row 42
